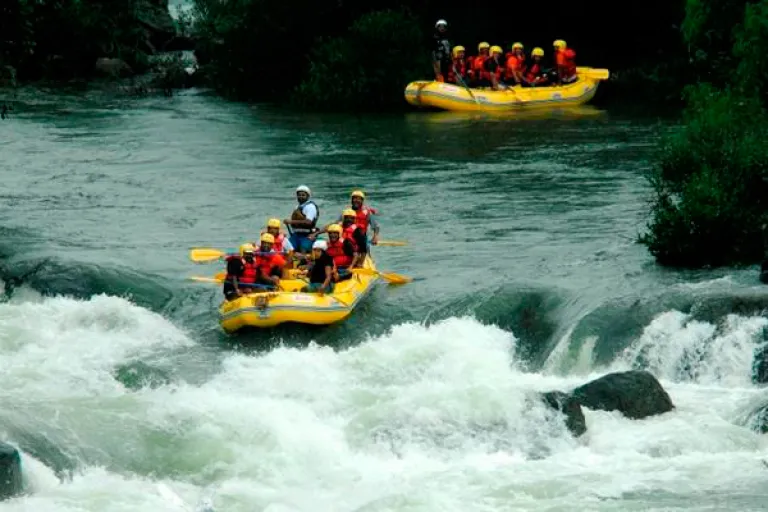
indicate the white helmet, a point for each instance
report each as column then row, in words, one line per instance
column 320, row 244
column 304, row 188
column 441, row 22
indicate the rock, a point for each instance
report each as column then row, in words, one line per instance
column 10, row 471
column 636, row 394
column 113, row 67
column 139, row 375
column 570, row 407
column 158, row 22
column 758, row 420
column 760, row 366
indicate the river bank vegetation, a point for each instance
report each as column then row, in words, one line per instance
column 710, row 204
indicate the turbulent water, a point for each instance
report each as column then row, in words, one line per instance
column 118, row 385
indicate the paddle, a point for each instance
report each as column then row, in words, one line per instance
column 390, row 277
column 391, row 243
column 458, row 77
column 207, row 255
column 594, row 73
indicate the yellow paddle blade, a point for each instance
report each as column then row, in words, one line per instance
column 390, row 277
column 205, row 255
column 392, row 243
column 200, row 279
column 595, row 74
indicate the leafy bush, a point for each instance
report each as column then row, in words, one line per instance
column 368, row 67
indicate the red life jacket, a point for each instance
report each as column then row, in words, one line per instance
column 278, row 245
column 533, row 71
column 514, row 63
column 478, row 66
column 566, row 62
column 363, row 217
column 250, row 271
column 266, row 262
column 336, row 251
column 461, row 67
column 347, row 234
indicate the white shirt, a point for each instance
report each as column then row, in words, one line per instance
column 309, row 211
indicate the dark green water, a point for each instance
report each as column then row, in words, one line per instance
column 522, row 231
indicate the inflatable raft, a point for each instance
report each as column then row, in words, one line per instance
column 457, row 98
column 269, row 309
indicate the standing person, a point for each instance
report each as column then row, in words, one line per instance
column 441, row 55
column 365, row 216
column 565, row 62
column 303, row 220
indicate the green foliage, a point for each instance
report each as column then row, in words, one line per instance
column 368, row 67
column 751, row 50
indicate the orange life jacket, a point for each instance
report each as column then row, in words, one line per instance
column 336, row 251
column 347, row 234
column 461, row 66
column 514, row 63
column 478, row 66
column 266, row 262
column 566, row 62
column 363, row 215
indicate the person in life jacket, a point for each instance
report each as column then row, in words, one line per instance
column 282, row 243
column 493, row 69
column 441, row 55
column 269, row 263
column 565, row 62
column 365, row 217
column 321, row 270
column 303, row 221
column 477, row 64
column 534, row 73
column 241, row 270
column 459, row 72
column 352, row 232
column 515, row 66
column 342, row 250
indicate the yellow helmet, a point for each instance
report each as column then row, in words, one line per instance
column 537, row 52
column 334, row 228
column 483, row 46
column 273, row 223
column 517, row 46
column 349, row 212
column 247, row 248
column 360, row 193
column 267, row 237
column 496, row 49
column 559, row 44
column 456, row 50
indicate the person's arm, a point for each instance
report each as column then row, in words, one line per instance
column 234, row 269
column 373, row 223
column 328, row 278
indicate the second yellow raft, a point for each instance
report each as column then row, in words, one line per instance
column 457, row 98
column 269, row 309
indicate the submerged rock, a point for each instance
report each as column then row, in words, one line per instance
column 758, row 420
column 636, row 394
column 570, row 407
column 138, row 375
column 10, row 471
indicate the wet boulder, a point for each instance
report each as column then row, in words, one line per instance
column 113, row 67
column 571, row 409
column 758, row 420
column 636, row 394
column 10, row 471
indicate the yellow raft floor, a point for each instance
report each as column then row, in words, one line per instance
column 269, row 309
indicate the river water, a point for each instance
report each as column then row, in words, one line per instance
column 115, row 376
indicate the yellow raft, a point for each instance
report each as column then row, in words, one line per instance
column 457, row 98
column 268, row 309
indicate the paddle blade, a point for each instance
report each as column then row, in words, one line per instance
column 201, row 279
column 597, row 74
column 393, row 278
column 205, row 255
column 392, row 243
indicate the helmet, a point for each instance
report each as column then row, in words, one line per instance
column 247, row 248
column 441, row 22
column 334, row 228
column 320, row 244
column 304, row 188
column 516, row 46
column 267, row 237
column 559, row 44
column 360, row 193
column 537, row 52
column 456, row 50
column 349, row 212
column 482, row 46
column 496, row 49
column 273, row 223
